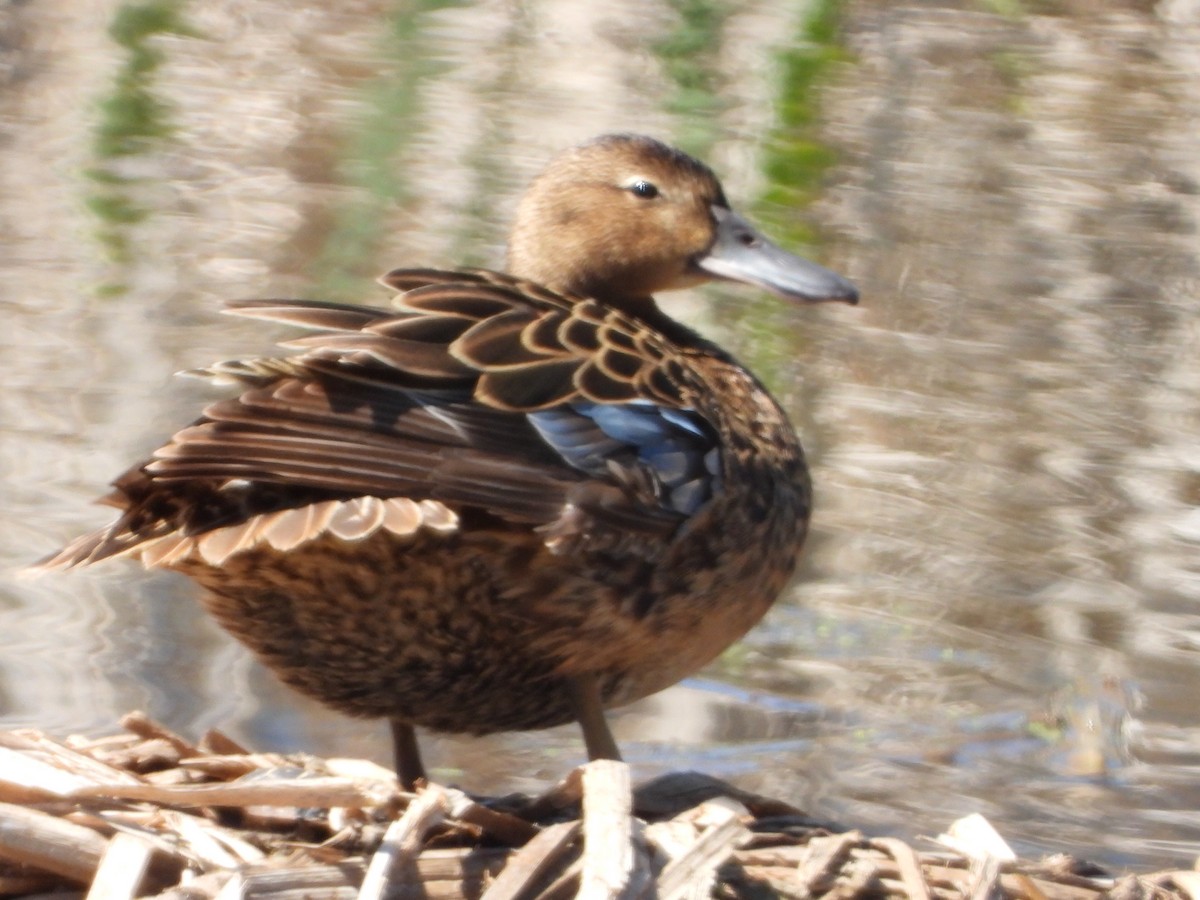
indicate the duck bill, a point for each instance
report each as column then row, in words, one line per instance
column 741, row 253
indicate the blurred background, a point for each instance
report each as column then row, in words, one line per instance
column 999, row 609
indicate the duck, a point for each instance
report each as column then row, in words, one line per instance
column 512, row 499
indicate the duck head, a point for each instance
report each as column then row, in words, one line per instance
column 622, row 217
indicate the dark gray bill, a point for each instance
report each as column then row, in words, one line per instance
column 741, row 253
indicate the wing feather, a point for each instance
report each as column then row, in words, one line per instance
column 477, row 392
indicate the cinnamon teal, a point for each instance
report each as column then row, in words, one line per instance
column 514, row 499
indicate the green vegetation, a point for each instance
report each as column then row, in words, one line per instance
column 132, row 117
column 132, row 121
column 480, row 222
column 1013, row 67
column 795, row 161
column 796, row 164
column 391, row 120
column 478, row 229
column 689, row 55
column 1046, row 731
column 1010, row 9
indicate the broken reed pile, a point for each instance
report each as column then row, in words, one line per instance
column 146, row 813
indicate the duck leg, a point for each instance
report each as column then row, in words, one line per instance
column 409, row 768
column 589, row 712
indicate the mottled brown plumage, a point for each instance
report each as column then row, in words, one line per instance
column 513, row 499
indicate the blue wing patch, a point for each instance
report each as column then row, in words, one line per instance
column 677, row 446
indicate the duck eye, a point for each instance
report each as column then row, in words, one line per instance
column 644, row 189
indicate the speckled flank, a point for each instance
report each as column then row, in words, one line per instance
column 474, row 632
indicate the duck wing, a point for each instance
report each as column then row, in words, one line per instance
column 479, row 398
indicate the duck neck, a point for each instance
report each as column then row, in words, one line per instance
column 647, row 311
column 644, row 309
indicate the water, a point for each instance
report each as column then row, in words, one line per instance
column 998, row 609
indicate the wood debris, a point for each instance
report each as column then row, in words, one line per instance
column 146, row 813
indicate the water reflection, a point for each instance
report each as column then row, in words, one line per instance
column 998, row 609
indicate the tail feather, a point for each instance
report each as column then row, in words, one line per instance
column 104, row 543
